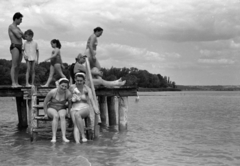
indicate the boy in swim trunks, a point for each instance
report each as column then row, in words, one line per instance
column 16, row 36
column 31, row 55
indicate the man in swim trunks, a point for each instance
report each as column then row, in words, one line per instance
column 16, row 36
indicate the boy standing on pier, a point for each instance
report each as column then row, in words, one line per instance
column 31, row 55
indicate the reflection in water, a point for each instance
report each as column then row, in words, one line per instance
column 164, row 128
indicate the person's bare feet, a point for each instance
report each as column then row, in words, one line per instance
column 28, row 85
column 84, row 140
column 53, row 140
column 65, row 139
column 120, row 79
column 14, row 86
column 121, row 83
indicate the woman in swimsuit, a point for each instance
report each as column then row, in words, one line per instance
column 92, row 47
column 55, row 107
column 94, row 63
column 56, row 62
column 82, row 95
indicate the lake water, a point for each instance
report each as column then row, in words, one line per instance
column 164, row 129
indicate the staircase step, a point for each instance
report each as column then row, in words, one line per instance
column 38, row 106
column 41, row 117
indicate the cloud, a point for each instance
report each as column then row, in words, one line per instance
column 127, row 54
column 198, row 20
column 216, row 61
column 172, row 55
column 169, row 36
column 226, row 51
column 220, row 45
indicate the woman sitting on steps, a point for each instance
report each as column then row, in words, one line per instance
column 82, row 98
column 55, row 107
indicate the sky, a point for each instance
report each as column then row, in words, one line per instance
column 194, row 42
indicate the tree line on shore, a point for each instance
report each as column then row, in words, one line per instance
column 133, row 76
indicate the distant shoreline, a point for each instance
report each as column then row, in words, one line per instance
column 209, row 87
column 157, row 89
column 193, row 88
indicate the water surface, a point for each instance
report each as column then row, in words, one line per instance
column 164, row 128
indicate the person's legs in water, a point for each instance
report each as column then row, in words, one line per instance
column 75, row 128
column 62, row 114
column 79, row 115
column 52, row 113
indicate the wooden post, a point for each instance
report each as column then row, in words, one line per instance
column 97, row 119
column 89, row 132
column 22, row 112
column 29, row 106
column 122, row 113
column 33, row 113
column 112, row 114
column 102, row 100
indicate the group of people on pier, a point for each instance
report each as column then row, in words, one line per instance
column 30, row 51
column 75, row 92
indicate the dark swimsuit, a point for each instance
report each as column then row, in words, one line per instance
column 56, row 60
column 18, row 46
column 56, row 104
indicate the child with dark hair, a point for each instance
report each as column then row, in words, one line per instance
column 56, row 61
column 31, row 55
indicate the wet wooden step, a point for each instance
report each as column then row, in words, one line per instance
column 41, row 117
column 38, row 106
column 49, row 129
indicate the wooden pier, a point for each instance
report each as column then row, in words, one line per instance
column 113, row 105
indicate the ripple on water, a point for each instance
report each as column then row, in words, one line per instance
column 168, row 129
